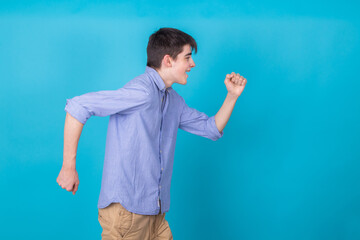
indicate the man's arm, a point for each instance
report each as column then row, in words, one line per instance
column 223, row 115
column 68, row 177
column 195, row 122
column 128, row 99
column 235, row 84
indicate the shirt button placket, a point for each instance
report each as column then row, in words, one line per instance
column 162, row 115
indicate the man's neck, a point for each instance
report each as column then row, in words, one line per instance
column 164, row 77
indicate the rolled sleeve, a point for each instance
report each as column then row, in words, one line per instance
column 77, row 111
column 214, row 131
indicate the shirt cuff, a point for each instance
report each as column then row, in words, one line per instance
column 77, row 111
column 215, row 134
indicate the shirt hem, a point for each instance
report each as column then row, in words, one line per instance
column 133, row 210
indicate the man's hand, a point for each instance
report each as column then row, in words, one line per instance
column 235, row 84
column 68, row 179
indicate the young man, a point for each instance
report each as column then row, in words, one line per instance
column 145, row 115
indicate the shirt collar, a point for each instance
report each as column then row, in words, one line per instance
column 154, row 75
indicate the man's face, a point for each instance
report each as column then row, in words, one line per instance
column 181, row 65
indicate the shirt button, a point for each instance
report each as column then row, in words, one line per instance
column 162, row 169
column 160, row 187
column 160, row 151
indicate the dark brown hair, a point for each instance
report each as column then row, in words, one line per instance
column 169, row 41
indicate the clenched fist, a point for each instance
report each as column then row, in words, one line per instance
column 235, row 83
column 68, row 179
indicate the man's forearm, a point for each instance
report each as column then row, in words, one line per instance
column 72, row 132
column 223, row 115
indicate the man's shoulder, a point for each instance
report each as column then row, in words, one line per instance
column 141, row 82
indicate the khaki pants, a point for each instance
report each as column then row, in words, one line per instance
column 120, row 224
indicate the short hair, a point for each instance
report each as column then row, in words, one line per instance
column 169, row 41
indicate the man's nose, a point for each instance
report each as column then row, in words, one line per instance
column 192, row 64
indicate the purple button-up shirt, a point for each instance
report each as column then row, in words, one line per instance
column 140, row 142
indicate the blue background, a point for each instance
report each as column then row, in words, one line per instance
column 287, row 166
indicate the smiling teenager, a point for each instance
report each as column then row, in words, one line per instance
column 146, row 112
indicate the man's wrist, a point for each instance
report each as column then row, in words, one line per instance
column 232, row 97
column 69, row 163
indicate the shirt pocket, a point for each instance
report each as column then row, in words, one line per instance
column 126, row 221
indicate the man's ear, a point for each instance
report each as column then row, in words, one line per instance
column 167, row 61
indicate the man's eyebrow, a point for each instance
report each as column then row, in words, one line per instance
column 190, row 53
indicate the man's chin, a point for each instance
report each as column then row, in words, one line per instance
column 183, row 82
